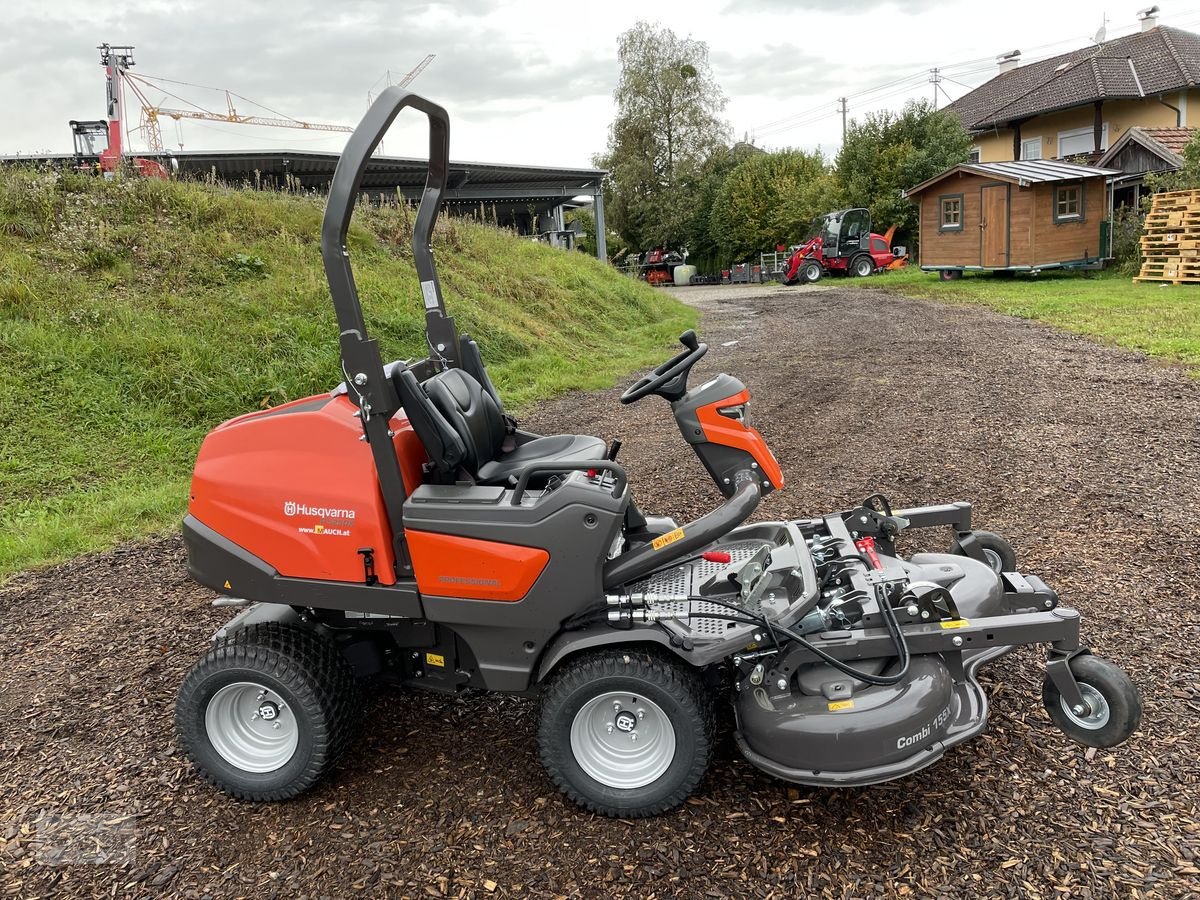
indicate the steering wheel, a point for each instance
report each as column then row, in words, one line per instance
column 670, row 379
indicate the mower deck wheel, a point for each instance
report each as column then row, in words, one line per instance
column 1114, row 707
column 626, row 732
column 266, row 712
column 999, row 552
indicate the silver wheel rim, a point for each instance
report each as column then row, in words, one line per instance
column 993, row 559
column 864, row 269
column 622, row 740
column 251, row 727
column 1097, row 715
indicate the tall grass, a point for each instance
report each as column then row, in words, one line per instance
column 137, row 314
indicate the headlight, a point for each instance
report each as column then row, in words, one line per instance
column 741, row 413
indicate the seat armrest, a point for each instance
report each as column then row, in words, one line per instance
column 620, row 478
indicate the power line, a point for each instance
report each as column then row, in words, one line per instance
column 908, row 83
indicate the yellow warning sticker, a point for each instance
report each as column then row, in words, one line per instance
column 228, row 586
column 434, row 659
column 841, row 704
column 664, row 540
column 955, row 623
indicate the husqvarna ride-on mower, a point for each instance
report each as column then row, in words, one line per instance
column 402, row 527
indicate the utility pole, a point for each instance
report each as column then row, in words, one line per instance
column 842, row 110
column 935, row 78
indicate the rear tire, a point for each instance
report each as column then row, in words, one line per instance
column 267, row 711
column 950, row 274
column 1115, row 704
column 595, row 710
column 862, row 266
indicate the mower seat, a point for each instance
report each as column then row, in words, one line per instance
column 473, row 414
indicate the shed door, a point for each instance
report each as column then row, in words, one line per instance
column 993, row 224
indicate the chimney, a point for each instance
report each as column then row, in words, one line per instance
column 1008, row 61
column 1148, row 18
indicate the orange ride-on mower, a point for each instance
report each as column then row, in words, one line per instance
column 402, row 527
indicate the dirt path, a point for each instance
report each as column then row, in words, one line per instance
column 1086, row 457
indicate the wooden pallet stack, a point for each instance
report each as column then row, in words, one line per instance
column 1171, row 238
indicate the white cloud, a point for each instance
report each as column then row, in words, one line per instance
column 524, row 81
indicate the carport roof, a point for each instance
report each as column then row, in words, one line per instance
column 469, row 182
column 1022, row 172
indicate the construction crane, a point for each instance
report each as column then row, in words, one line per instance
column 153, row 113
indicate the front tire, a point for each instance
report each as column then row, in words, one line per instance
column 810, row 272
column 862, row 266
column 1114, row 704
column 626, row 732
column 267, row 711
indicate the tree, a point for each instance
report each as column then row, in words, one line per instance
column 887, row 153
column 770, row 199
column 668, row 123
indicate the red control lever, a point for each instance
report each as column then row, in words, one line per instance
column 717, row 556
column 866, row 546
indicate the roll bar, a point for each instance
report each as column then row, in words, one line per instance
column 343, row 195
column 366, row 381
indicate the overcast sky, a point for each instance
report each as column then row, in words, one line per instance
column 526, row 82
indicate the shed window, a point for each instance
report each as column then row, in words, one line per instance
column 1068, row 203
column 951, row 212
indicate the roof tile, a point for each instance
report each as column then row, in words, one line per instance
column 1150, row 62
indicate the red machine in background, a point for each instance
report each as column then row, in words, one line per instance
column 659, row 266
column 99, row 143
column 842, row 242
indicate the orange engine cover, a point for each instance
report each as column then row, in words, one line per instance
column 296, row 487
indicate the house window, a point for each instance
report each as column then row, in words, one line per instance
column 1031, row 149
column 1078, row 141
column 974, row 155
column 951, row 212
column 1068, row 203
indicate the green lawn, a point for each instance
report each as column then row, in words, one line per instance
column 135, row 315
column 1162, row 320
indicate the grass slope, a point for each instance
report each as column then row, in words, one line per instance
column 135, row 315
column 1159, row 319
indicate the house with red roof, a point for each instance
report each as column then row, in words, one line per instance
column 1081, row 105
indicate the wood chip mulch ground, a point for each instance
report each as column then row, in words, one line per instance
column 1087, row 458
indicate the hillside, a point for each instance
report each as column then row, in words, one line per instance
column 135, row 315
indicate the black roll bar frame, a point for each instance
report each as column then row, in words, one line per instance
column 366, row 381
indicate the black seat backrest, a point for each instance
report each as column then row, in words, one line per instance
column 471, row 412
column 471, row 361
column 441, row 441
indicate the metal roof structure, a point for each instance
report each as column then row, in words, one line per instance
column 1130, row 67
column 511, row 192
column 1021, row 172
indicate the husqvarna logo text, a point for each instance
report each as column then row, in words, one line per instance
column 292, row 508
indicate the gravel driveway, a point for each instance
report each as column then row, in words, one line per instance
column 1085, row 457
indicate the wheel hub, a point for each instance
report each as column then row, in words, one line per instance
column 251, row 727
column 622, row 741
column 1094, row 715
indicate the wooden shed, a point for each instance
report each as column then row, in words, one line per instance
column 1020, row 216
